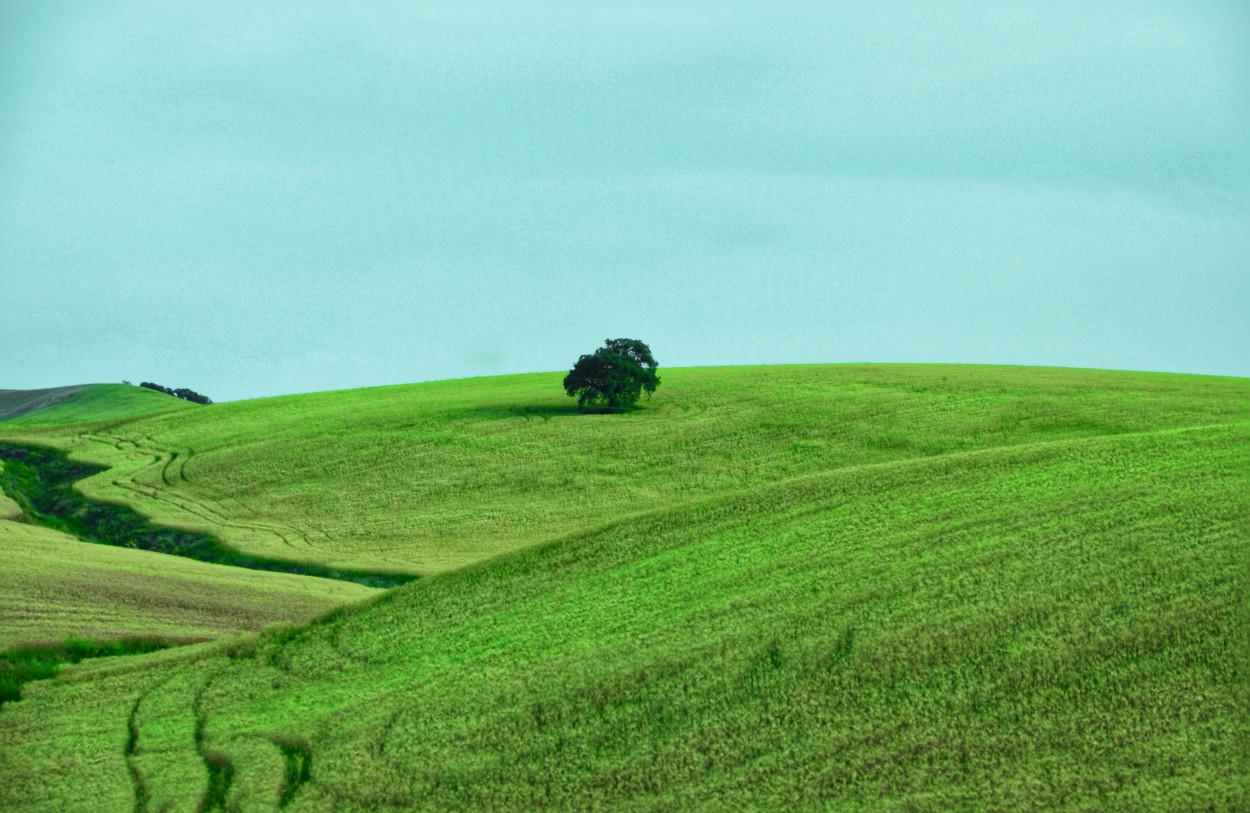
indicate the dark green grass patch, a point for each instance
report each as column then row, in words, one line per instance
column 297, row 762
column 22, row 665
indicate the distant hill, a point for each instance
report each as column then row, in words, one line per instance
column 82, row 403
column 15, row 403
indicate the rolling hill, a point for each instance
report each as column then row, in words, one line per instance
column 86, row 402
column 427, row 478
column 53, row 586
column 830, row 587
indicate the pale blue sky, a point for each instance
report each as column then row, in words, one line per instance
column 258, row 198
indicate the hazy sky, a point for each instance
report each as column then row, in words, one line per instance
column 259, row 198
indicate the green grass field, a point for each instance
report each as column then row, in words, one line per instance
column 53, row 586
column 431, row 477
column 821, row 587
column 93, row 402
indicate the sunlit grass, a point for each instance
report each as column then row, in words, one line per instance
column 429, row 477
column 891, row 588
column 53, row 586
column 96, row 402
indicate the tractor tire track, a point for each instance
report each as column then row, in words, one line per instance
column 143, row 796
column 217, row 764
column 188, row 505
column 297, row 763
column 183, row 501
column 177, row 462
column 141, row 792
column 285, row 532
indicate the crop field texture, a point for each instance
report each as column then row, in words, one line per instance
column 845, row 588
column 53, row 586
column 430, row 477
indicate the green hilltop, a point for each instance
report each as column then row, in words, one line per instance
column 424, row 478
column 892, row 587
column 82, row 404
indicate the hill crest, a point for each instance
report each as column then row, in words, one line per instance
column 83, row 403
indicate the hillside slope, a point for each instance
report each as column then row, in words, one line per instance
column 15, row 403
column 53, row 586
column 1051, row 626
column 83, row 403
column 890, row 588
column 430, row 477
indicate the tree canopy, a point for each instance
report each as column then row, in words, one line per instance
column 182, row 392
column 614, row 376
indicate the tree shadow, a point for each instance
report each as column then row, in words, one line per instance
column 503, row 411
column 543, row 411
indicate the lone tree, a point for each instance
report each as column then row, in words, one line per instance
column 613, row 376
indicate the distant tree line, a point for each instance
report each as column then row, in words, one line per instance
column 183, row 393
